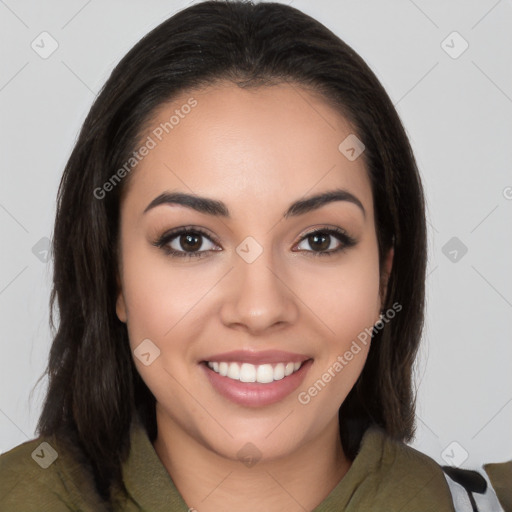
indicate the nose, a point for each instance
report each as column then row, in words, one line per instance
column 258, row 296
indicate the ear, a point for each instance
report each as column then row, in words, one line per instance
column 120, row 302
column 386, row 272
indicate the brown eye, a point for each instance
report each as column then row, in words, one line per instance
column 326, row 242
column 319, row 241
column 185, row 242
column 190, row 242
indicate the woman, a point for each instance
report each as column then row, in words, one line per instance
column 240, row 254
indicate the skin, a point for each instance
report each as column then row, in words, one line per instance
column 257, row 150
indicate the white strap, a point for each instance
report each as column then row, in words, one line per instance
column 487, row 502
column 459, row 496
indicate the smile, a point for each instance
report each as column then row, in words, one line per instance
column 247, row 372
column 255, row 378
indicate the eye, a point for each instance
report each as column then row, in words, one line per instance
column 190, row 242
column 327, row 241
column 186, row 242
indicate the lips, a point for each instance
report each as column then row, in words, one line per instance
column 255, row 379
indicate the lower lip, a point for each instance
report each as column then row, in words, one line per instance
column 255, row 394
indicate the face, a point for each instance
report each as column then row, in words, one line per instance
column 237, row 307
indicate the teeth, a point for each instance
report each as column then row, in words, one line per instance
column 279, row 371
column 223, row 368
column 265, row 373
column 233, row 371
column 246, row 372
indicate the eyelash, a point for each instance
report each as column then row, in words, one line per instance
column 162, row 242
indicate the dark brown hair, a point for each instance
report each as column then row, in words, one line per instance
column 94, row 388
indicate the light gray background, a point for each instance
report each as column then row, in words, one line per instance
column 457, row 112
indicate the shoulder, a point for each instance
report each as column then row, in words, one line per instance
column 406, row 476
column 41, row 475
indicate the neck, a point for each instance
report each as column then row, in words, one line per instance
column 210, row 482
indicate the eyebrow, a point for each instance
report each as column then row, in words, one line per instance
column 219, row 209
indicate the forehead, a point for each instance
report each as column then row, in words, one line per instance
column 256, row 149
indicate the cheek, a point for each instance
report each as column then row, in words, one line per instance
column 344, row 295
column 345, row 298
column 163, row 303
column 158, row 295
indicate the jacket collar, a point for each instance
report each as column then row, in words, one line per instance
column 145, row 477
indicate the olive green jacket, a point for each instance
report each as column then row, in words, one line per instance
column 386, row 476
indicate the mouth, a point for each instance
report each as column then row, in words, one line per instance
column 247, row 372
column 256, row 379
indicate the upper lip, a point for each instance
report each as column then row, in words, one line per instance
column 258, row 357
